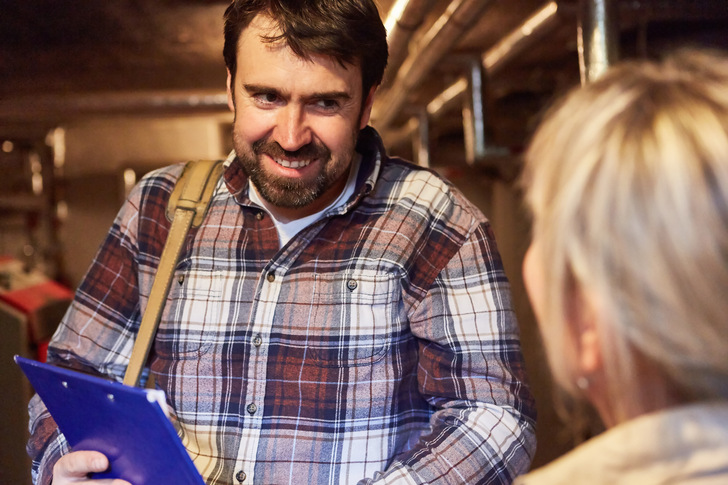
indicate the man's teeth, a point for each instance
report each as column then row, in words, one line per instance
column 293, row 163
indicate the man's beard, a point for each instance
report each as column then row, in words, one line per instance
column 283, row 191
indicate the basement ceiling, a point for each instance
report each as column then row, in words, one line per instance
column 61, row 60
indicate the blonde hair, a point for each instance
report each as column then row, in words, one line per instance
column 627, row 181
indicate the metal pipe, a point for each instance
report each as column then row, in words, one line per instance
column 434, row 45
column 597, row 38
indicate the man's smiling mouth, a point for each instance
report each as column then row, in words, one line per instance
column 292, row 163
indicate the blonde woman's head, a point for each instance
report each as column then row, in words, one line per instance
column 627, row 181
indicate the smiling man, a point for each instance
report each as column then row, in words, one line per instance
column 340, row 316
column 296, row 121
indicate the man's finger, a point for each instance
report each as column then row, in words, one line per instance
column 76, row 466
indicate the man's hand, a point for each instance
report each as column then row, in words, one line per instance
column 75, row 467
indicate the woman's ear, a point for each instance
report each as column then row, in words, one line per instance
column 586, row 320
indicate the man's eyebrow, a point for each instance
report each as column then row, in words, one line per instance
column 337, row 95
column 262, row 89
column 259, row 88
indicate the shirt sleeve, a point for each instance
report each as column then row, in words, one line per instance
column 96, row 333
column 46, row 444
column 471, row 371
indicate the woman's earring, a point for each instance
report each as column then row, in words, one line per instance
column 583, row 383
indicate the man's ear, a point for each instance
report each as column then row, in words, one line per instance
column 230, row 100
column 366, row 110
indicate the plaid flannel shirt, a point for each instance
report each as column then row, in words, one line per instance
column 378, row 346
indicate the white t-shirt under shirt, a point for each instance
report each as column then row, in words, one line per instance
column 288, row 229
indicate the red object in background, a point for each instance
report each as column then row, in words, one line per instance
column 42, row 300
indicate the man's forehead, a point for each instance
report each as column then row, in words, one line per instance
column 263, row 28
column 263, row 25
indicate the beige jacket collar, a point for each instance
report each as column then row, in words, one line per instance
column 686, row 445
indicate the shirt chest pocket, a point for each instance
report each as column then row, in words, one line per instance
column 192, row 317
column 354, row 318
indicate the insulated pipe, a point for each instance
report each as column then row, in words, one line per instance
column 525, row 35
column 532, row 30
column 434, row 45
column 522, row 37
column 63, row 107
column 403, row 20
column 597, row 37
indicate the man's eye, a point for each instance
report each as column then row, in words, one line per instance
column 266, row 98
column 327, row 104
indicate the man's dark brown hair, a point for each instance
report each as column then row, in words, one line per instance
column 350, row 31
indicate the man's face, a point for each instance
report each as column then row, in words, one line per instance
column 296, row 121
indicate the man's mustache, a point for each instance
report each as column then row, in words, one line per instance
column 309, row 151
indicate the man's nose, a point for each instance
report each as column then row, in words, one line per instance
column 292, row 130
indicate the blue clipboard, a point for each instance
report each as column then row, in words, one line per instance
column 125, row 423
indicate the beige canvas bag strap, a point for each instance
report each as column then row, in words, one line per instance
column 187, row 207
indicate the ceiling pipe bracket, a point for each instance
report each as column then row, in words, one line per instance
column 474, row 117
column 421, row 138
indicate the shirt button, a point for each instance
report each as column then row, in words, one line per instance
column 352, row 284
column 259, row 216
column 241, row 476
column 257, row 341
column 252, row 408
column 271, row 277
column 181, row 279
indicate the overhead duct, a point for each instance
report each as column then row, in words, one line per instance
column 434, row 45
